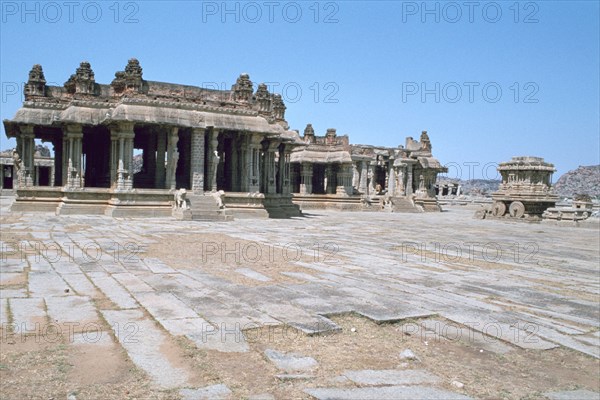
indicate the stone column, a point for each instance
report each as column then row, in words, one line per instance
column 172, row 157
column 409, row 179
column 213, row 159
column 400, row 189
column 306, row 178
column 364, row 176
column 1, row 176
column 121, row 156
column 72, row 152
column 371, row 174
column 268, row 167
column 281, row 166
column 159, row 174
column 254, row 172
column 355, row 175
column 234, row 166
column 342, row 177
column 26, row 148
column 272, row 172
column 244, row 163
column 287, row 178
column 52, row 172
column 197, row 161
column 391, row 189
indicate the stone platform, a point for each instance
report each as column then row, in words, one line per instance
column 513, row 286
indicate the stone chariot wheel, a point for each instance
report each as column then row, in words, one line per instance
column 498, row 209
column 516, row 209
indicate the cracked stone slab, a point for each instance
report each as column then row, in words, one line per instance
column 132, row 282
column 158, row 267
column 45, row 284
column 250, row 273
column 77, row 311
column 216, row 392
column 454, row 332
column 142, row 340
column 391, row 377
column 164, row 306
column 206, row 336
column 291, row 362
column 385, row 393
column 113, row 290
column 10, row 293
column 27, row 313
column 573, row 395
column 499, row 330
column 81, row 284
column 11, row 278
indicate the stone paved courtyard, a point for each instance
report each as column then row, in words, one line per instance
column 316, row 307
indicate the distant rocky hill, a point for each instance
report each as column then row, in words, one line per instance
column 43, row 150
column 583, row 180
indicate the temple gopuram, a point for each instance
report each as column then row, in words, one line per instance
column 206, row 154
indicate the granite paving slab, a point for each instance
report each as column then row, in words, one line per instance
column 216, row 392
column 113, row 290
column 291, row 362
column 573, row 395
column 391, row 377
column 386, row 393
column 142, row 340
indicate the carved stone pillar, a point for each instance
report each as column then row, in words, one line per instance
column 342, row 177
column 391, row 189
column 268, row 167
column 233, row 166
column 26, row 148
column 214, row 159
column 400, row 188
column 172, row 157
column 371, row 175
column 244, row 163
column 197, row 161
column 355, row 175
column 306, row 176
column 52, row 173
column 272, row 159
column 409, row 179
column 254, row 172
column 287, row 178
column 121, row 157
column 364, row 176
column 159, row 174
column 72, row 152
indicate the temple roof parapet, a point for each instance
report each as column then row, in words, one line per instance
column 130, row 97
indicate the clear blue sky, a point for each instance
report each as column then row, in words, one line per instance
column 374, row 58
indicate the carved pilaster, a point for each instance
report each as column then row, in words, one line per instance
column 214, row 159
column 172, row 157
column 25, row 150
column 306, row 176
column 121, row 171
column 197, row 161
column 364, row 176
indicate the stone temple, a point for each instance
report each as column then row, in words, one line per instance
column 206, row 154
